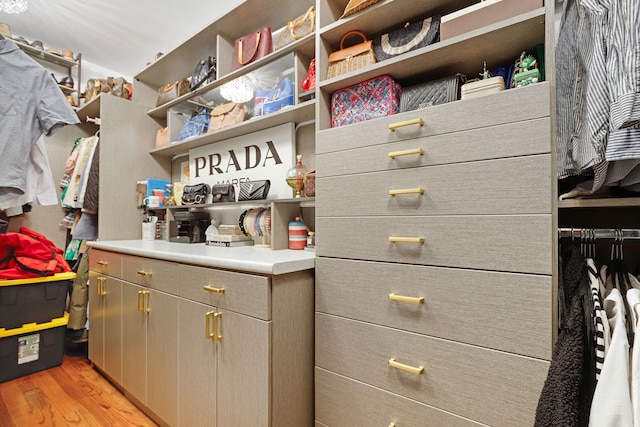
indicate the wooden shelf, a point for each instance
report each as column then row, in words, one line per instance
column 612, row 202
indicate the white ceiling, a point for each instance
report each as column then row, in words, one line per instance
column 120, row 35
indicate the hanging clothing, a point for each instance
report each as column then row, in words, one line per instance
column 611, row 406
column 633, row 300
column 31, row 104
column 566, row 396
column 599, row 317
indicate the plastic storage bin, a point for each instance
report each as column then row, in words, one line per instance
column 35, row 300
column 32, row 348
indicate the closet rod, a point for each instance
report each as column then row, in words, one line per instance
column 599, row 233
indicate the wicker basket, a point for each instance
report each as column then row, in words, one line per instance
column 351, row 58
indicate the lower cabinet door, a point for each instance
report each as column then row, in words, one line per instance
column 162, row 355
column 196, row 364
column 134, row 341
column 244, row 371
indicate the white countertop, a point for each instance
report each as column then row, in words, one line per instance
column 249, row 258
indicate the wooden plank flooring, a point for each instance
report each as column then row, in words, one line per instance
column 72, row 394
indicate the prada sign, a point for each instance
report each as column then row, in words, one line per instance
column 267, row 154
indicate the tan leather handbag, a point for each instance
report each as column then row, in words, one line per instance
column 226, row 115
column 172, row 91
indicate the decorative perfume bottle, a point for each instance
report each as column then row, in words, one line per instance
column 295, row 177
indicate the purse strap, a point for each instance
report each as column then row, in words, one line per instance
column 240, row 49
column 352, row 33
column 297, row 23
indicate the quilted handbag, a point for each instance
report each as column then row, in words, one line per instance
column 410, row 37
column 351, row 58
column 371, row 99
column 433, row 92
column 197, row 124
column 252, row 47
column 254, row 190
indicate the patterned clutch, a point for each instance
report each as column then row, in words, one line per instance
column 431, row 93
column 254, row 190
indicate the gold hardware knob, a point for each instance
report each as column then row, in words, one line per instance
column 214, row 290
column 408, row 368
column 394, row 126
column 103, row 263
column 419, row 240
column 414, row 300
column 145, row 273
column 406, row 191
column 417, row 151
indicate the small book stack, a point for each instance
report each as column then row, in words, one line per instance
column 229, row 236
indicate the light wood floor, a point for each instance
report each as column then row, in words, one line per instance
column 72, row 394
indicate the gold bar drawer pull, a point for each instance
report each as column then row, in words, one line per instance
column 416, row 151
column 103, row 262
column 145, row 273
column 214, row 290
column 414, row 300
column 406, row 191
column 395, row 239
column 408, row 368
column 394, row 126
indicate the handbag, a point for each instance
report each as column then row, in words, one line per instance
column 195, row 194
column 196, row 125
column 205, row 72
column 410, row 37
column 172, row 91
column 351, row 58
column 252, row 47
column 227, row 114
column 356, row 6
column 433, row 92
column 223, row 193
column 282, row 97
column 254, row 190
column 309, row 82
column 116, row 86
column 310, row 184
column 162, row 137
column 296, row 29
column 371, row 99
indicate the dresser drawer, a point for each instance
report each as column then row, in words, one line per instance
column 517, row 243
column 487, row 386
column 342, row 402
column 151, row 273
column 506, row 107
column 503, row 311
column 519, row 185
column 105, row 262
column 495, row 142
column 243, row 293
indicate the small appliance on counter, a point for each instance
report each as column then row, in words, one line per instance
column 189, row 227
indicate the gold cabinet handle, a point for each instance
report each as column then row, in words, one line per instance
column 145, row 273
column 395, row 239
column 417, row 151
column 419, row 190
column 392, row 425
column 143, row 302
column 408, row 368
column 100, row 286
column 402, row 298
column 105, row 263
column 214, row 290
column 394, row 126
column 216, row 327
column 207, row 327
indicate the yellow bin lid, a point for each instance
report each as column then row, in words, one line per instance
column 54, row 278
column 35, row 327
